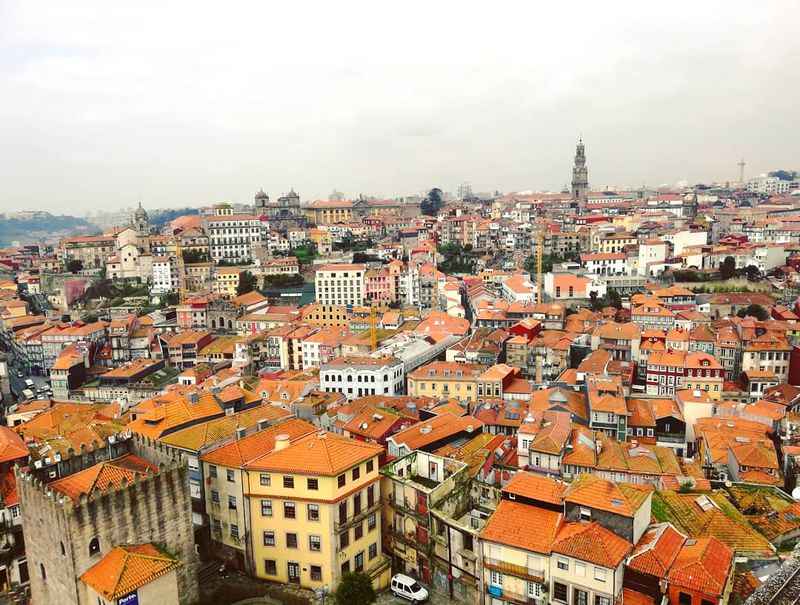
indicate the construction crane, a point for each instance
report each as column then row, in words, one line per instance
column 181, row 270
column 373, row 330
column 539, row 264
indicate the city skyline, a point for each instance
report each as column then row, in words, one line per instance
column 102, row 109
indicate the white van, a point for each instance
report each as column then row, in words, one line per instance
column 408, row 588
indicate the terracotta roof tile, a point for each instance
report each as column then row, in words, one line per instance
column 522, row 526
column 702, row 565
column 101, row 476
column 124, row 569
column 593, row 543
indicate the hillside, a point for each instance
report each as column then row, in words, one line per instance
column 30, row 227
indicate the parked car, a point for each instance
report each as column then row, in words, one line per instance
column 406, row 587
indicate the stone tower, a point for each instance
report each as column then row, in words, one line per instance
column 141, row 222
column 580, row 175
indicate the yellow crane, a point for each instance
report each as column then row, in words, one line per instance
column 181, row 270
column 539, row 264
column 373, row 330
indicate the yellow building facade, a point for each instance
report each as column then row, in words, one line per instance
column 314, row 510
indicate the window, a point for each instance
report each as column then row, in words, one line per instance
column 212, row 471
column 359, row 561
column 63, row 550
column 344, row 539
column 599, row 574
column 371, row 522
column 270, row 568
column 580, row 597
column 314, row 543
column 683, row 598
column 214, row 496
column 370, row 466
column 345, row 567
column 234, row 531
column 288, row 482
column 266, row 508
column 356, row 473
column 373, row 550
column 560, row 592
column 269, row 538
column 42, row 571
column 289, row 510
column 316, row 573
column 586, row 514
column 356, row 504
column 706, row 602
column 313, row 484
column 94, row 546
column 232, row 502
column 534, row 590
column 291, row 540
column 495, row 578
column 313, row 512
column 563, row 564
column 343, row 511
column 265, row 479
column 358, row 531
column 598, row 600
column 341, row 480
column 230, row 475
column 580, row 569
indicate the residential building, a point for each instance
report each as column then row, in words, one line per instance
column 341, row 284
column 362, row 376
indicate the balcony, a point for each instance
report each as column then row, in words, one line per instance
column 514, row 597
column 670, row 438
column 340, row 524
column 519, row 571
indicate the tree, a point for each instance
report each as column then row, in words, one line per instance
column 247, row 283
column 757, row 311
column 355, row 589
column 593, row 300
column 194, row 256
column 432, row 203
column 614, row 299
column 728, row 267
column 752, row 273
column 74, row 265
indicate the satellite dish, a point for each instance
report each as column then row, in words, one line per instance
column 796, row 493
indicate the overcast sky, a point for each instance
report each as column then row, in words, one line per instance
column 180, row 104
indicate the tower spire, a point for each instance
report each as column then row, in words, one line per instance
column 580, row 174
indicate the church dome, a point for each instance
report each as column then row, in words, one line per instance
column 141, row 213
column 261, row 195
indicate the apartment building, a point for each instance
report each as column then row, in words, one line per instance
column 362, row 376
column 232, row 237
column 446, row 379
column 341, row 284
column 314, row 504
column 413, row 485
column 164, row 277
column 226, row 487
column 226, row 281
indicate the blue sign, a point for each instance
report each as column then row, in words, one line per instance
column 495, row 591
column 129, row 599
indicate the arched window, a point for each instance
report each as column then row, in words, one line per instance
column 94, row 546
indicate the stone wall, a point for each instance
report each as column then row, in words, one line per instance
column 622, row 526
column 59, row 530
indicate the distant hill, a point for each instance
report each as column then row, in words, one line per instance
column 35, row 226
column 159, row 218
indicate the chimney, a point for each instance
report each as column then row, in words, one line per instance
column 281, row 442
